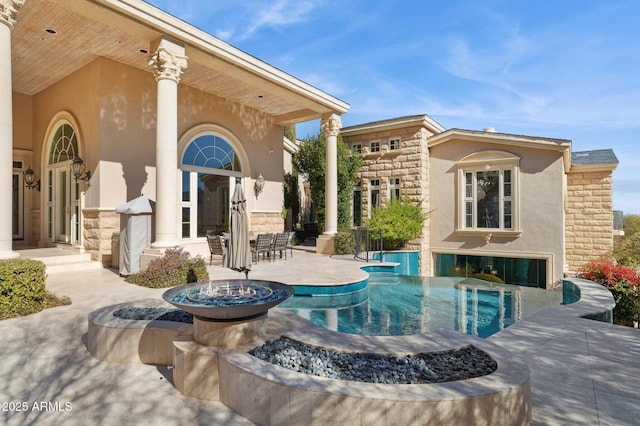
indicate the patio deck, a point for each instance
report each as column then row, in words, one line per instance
column 582, row 371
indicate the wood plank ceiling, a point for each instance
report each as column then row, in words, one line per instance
column 51, row 40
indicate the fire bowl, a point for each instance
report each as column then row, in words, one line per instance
column 227, row 300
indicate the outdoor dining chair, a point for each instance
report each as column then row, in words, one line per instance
column 216, row 247
column 280, row 244
column 263, row 245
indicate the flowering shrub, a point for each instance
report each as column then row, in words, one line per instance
column 623, row 282
column 174, row 267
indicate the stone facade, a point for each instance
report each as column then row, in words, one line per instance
column 589, row 218
column 98, row 229
column 403, row 155
column 264, row 222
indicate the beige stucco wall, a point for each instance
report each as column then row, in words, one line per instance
column 541, row 206
column 589, row 217
column 114, row 108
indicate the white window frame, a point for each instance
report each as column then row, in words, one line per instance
column 356, row 148
column 374, row 185
column 374, row 146
column 486, row 161
column 394, row 144
column 395, row 184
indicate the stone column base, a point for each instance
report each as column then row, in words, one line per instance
column 324, row 244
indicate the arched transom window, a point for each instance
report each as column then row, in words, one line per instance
column 64, row 146
column 209, row 165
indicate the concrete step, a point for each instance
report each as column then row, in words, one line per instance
column 59, row 260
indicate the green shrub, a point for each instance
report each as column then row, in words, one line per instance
column 22, row 288
column 344, row 243
column 174, row 267
column 624, row 284
column 400, row 221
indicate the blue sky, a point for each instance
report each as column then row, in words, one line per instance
column 562, row 69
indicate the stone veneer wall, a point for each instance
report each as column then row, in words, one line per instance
column 410, row 163
column 263, row 222
column 589, row 218
column 98, row 229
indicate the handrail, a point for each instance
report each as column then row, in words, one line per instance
column 366, row 240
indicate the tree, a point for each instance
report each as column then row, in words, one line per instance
column 631, row 224
column 309, row 161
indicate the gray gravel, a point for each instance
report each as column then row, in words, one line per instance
column 150, row 314
column 458, row 364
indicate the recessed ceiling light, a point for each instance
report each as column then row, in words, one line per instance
column 50, row 31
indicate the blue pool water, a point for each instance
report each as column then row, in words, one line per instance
column 394, row 305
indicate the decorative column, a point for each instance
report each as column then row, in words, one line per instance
column 8, row 11
column 169, row 62
column 324, row 243
column 331, row 126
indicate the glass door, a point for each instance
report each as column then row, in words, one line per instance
column 64, row 206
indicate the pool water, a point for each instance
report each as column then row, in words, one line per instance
column 394, row 305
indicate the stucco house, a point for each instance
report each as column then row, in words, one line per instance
column 139, row 102
column 525, row 209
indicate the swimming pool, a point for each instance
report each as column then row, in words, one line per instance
column 395, row 305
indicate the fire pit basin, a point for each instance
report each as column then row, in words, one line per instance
column 227, row 300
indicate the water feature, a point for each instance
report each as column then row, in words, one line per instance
column 394, row 304
column 228, row 299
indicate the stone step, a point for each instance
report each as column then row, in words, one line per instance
column 59, row 260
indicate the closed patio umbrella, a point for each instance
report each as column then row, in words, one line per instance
column 239, row 250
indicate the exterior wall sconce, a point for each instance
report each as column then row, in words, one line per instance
column 80, row 172
column 31, row 181
column 258, row 186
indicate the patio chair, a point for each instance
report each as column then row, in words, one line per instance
column 280, row 244
column 263, row 245
column 216, row 248
column 289, row 242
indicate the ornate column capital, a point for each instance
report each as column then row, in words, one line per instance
column 331, row 125
column 167, row 64
column 8, row 11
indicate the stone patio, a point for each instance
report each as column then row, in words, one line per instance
column 582, row 371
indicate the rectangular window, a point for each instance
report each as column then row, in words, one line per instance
column 374, row 146
column 374, row 191
column 394, row 188
column 357, row 205
column 394, row 144
column 510, row 270
column 356, row 148
column 488, row 199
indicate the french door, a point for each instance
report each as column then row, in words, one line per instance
column 63, row 205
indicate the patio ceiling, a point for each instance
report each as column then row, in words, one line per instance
column 52, row 39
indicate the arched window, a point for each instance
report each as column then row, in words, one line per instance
column 209, row 165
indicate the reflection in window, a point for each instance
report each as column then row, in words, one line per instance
column 510, row 270
column 488, row 199
column 374, row 191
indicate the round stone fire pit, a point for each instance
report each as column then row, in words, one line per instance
column 228, row 300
